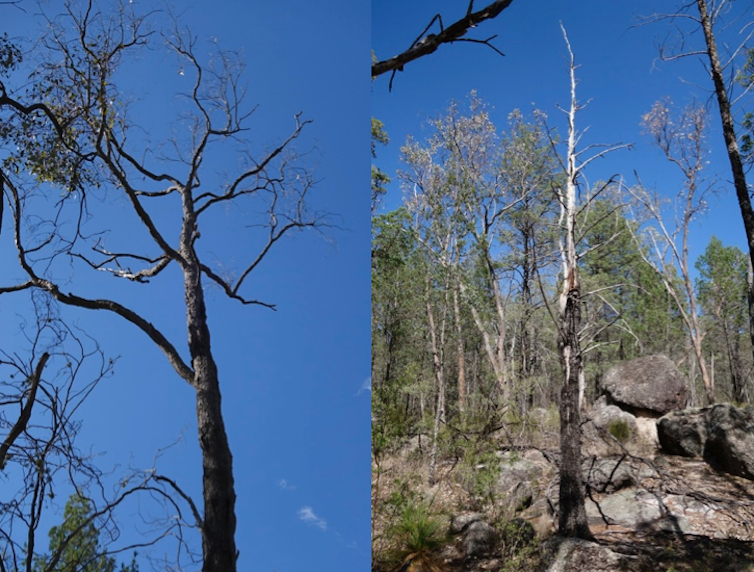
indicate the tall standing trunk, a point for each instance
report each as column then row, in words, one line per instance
column 731, row 143
column 438, row 363
column 526, row 366
column 460, row 351
column 219, row 522
column 218, row 533
column 572, row 512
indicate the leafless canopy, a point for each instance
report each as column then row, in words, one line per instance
column 93, row 144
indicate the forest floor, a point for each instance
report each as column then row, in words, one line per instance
column 717, row 511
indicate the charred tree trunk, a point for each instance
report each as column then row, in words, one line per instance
column 219, row 522
column 572, row 515
column 731, row 143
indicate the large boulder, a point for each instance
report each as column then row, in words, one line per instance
column 730, row 440
column 648, row 385
column 683, row 432
column 610, row 475
column 723, row 434
column 478, row 539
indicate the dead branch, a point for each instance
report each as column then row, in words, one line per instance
column 23, row 419
column 425, row 45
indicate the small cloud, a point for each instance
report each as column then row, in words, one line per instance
column 307, row 515
column 366, row 386
column 286, row 486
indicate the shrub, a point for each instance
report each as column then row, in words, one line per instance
column 619, row 429
column 417, row 535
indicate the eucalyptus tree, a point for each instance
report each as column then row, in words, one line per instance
column 71, row 139
column 438, row 229
column 714, row 18
column 529, row 172
column 482, row 185
column 682, row 139
column 721, row 289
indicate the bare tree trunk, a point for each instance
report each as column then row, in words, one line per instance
column 734, row 157
column 219, row 524
column 495, row 352
column 438, row 362
column 461, row 353
column 572, row 512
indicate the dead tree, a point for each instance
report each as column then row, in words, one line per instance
column 682, row 140
column 74, row 132
column 572, row 512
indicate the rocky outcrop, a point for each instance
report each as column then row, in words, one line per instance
column 609, row 475
column 478, row 539
column 683, row 432
column 630, row 508
column 730, row 440
column 648, row 385
column 576, row 554
column 722, row 434
column 609, row 430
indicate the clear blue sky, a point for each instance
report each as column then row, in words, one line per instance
column 294, row 382
column 620, row 72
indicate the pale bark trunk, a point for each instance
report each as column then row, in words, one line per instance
column 494, row 350
column 572, row 512
column 438, row 363
column 461, row 353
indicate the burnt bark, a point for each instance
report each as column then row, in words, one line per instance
column 572, row 515
column 731, row 143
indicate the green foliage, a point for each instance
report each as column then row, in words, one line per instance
column 75, row 545
column 397, row 319
column 620, row 429
column 379, row 179
column 417, row 535
column 722, row 293
column 520, row 549
column 10, row 55
column 479, row 472
column 722, row 281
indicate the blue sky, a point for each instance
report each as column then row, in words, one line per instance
column 619, row 72
column 294, row 382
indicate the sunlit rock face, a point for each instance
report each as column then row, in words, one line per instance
column 649, row 386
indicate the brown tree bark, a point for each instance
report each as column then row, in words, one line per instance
column 219, row 523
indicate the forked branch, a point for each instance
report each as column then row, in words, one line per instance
column 424, row 45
